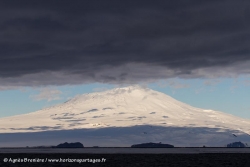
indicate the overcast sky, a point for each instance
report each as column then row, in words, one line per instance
column 70, row 42
column 45, row 42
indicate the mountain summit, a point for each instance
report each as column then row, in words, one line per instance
column 127, row 107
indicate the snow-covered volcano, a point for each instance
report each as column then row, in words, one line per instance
column 125, row 116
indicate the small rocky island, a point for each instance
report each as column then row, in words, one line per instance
column 152, row 145
column 236, row 144
column 69, row 145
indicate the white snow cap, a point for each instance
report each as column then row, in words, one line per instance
column 129, row 107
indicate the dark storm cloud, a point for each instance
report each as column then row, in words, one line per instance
column 70, row 42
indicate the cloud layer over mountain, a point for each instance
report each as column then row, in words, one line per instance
column 63, row 42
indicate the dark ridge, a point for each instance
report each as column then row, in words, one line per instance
column 92, row 110
column 107, row 108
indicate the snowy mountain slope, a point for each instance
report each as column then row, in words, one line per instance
column 154, row 113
